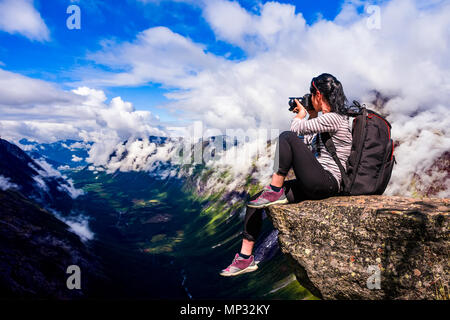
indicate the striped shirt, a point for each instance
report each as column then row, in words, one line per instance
column 339, row 128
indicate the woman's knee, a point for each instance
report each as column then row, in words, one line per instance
column 287, row 134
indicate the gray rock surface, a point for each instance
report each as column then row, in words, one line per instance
column 367, row 247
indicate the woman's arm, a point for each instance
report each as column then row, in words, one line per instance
column 328, row 122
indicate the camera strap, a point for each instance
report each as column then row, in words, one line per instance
column 331, row 148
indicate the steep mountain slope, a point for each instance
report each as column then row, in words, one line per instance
column 35, row 251
column 194, row 235
column 36, row 179
column 159, row 234
column 37, row 247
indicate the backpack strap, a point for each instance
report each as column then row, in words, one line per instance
column 329, row 145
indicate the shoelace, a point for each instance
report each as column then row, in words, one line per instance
column 265, row 188
column 232, row 264
column 237, row 258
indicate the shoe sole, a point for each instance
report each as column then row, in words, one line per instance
column 259, row 206
column 248, row 269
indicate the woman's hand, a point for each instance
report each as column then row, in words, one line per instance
column 300, row 110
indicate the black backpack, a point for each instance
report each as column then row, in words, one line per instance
column 371, row 160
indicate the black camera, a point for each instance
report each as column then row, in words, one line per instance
column 305, row 101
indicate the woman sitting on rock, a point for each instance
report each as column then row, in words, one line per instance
column 316, row 178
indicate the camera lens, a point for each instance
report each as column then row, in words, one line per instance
column 307, row 103
column 292, row 105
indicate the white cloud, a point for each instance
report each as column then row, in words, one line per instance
column 156, row 55
column 78, row 145
column 275, row 24
column 39, row 130
column 80, row 227
column 20, row 91
column 406, row 60
column 229, row 20
column 40, row 183
column 20, row 16
column 69, row 188
column 47, row 170
column 115, row 123
column 40, row 111
column 66, row 184
column 76, row 159
column 6, row 184
column 78, row 224
column 137, row 155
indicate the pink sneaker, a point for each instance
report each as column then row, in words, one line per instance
column 267, row 198
column 239, row 266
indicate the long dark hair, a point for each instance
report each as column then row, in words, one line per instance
column 332, row 90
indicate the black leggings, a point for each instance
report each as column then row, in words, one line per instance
column 312, row 181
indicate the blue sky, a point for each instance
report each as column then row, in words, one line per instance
column 227, row 65
column 58, row 59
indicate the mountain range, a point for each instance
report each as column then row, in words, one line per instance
column 153, row 235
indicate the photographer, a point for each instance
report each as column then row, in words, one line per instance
column 316, row 178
